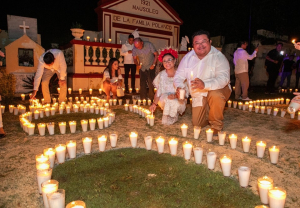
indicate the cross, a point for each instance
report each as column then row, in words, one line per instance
column 24, row 27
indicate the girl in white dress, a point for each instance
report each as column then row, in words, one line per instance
column 165, row 95
column 112, row 78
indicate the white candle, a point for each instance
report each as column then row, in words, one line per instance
column 72, row 125
column 211, row 159
column 115, row 101
column 148, row 142
column 126, row 107
column 260, row 148
column 137, row 90
column 50, row 127
column 84, row 124
column 113, row 139
column 246, row 144
column 62, row 127
column 187, row 150
column 262, row 109
column 71, row 147
column 160, row 142
column 50, row 152
column 100, row 123
column 233, row 141
column 53, row 109
column 256, row 109
column 133, row 139
column 57, row 199
column 283, row 111
column 43, row 166
column 120, row 101
column 69, row 90
column 184, row 128
column 274, row 154
column 106, row 120
column 244, row 176
column 181, row 94
column 229, row 103
column 92, row 123
column 240, row 105
column 42, row 113
column 23, row 96
column 277, row 197
column 102, row 143
column 151, row 120
column 87, row 144
column 264, row 184
column 287, row 101
column 198, row 154
column 16, row 110
column 11, row 108
column 41, row 127
column 149, row 102
column 250, row 108
column 222, row 136
column 225, row 161
column 173, row 146
column 209, row 135
column 234, row 104
column 42, row 176
column 100, row 91
column 275, row 111
column 48, row 186
column 80, row 91
column 76, row 204
column 58, row 90
column 197, row 131
column 60, row 150
column 31, row 128
column 130, row 90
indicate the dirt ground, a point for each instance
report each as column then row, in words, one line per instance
column 18, row 185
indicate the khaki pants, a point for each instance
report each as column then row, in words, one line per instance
column 47, row 75
column 241, row 83
column 211, row 112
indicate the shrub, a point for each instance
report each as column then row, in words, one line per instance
column 7, row 85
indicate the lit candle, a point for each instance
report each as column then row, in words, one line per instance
column 88, row 38
column 144, row 101
column 105, row 121
column 115, row 101
column 181, row 94
column 100, row 123
column 160, row 142
column 148, row 142
column 173, row 146
column 60, row 150
column 53, row 109
column 87, row 144
column 84, row 125
column 42, row 176
column 287, row 101
column 240, row 104
column 225, row 161
column 244, row 176
column 233, row 141
column 100, row 91
column 57, row 199
column 137, row 90
column 211, row 159
column 41, row 158
column 229, row 103
column 58, row 90
column 234, row 104
column 109, row 40
column 48, row 187
column 47, row 112
column 80, row 91
column 133, row 139
column 184, row 128
column 23, row 96
column 151, row 120
column 222, row 136
column 76, row 204
column 31, row 128
column 149, row 102
column 262, row 109
column 71, row 147
column 187, row 150
column 192, row 75
column 155, row 89
column 62, row 127
column 260, row 148
column 233, row 88
column 274, row 154
column 281, row 100
column 113, row 139
column 120, row 101
column 256, row 109
column 126, row 107
column 277, row 197
column 197, row 131
column 41, row 128
column 275, row 111
column 130, row 90
column 16, row 110
column 198, row 154
column 72, row 125
column 92, row 122
column 102, row 143
column 50, row 152
column 283, row 111
column 269, row 109
column 209, row 135
column 11, row 108
column 50, row 127
column 246, row 144
column 264, row 184
column 43, row 166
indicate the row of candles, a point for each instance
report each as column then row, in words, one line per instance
column 268, row 194
column 91, row 90
column 261, row 108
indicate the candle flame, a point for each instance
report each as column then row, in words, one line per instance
column 294, row 41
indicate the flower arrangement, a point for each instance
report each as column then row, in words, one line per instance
column 165, row 51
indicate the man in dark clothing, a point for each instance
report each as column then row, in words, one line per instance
column 273, row 64
column 286, row 69
column 297, row 73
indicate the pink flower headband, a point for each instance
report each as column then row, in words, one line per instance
column 170, row 51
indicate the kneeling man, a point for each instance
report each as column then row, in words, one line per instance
column 207, row 72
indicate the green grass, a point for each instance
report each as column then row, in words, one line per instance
column 119, row 178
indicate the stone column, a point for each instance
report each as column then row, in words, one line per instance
column 87, row 57
column 94, row 55
column 101, row 55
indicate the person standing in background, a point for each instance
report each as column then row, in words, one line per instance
column 129, row 65
column 286, row 69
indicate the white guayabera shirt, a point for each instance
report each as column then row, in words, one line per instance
column 58, row 65
column 240, row 60
column 213, row 70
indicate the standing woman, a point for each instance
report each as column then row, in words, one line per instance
column 112, row 78
column 165, row 95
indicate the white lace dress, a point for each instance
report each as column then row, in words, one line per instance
column 171, row 107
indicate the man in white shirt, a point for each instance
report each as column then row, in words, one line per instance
column 240, row 60
column 50, row 63
column 126, row 51
column 207, row 72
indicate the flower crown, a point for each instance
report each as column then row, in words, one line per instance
column 167, row 50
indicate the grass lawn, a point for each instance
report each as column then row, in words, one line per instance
column 139, row 178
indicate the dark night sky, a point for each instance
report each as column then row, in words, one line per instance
column 229, row 18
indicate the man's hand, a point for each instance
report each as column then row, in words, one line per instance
column 151, row 67
column 130, row 51
column 152, row 107
column 33, row 94
column 62, row 82
column 197, row 84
